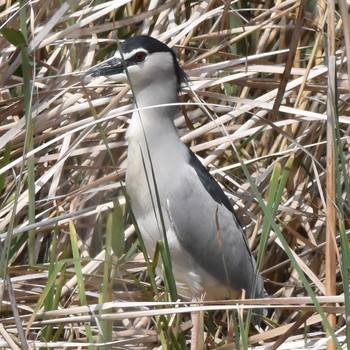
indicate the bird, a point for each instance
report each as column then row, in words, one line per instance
column 172, row 194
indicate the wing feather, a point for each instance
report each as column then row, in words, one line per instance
column 209, row 230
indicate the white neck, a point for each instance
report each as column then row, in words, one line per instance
column 158, row 121
column 159, row 92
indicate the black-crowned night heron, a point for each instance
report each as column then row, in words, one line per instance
column 164, row 179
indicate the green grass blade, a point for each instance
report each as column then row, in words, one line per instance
column 29, row 141
column 79, row 274
column 117, row 226
column 50, row 300
column 343, row 201
column 107, row 284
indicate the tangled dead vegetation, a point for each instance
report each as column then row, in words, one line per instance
column 267, row 111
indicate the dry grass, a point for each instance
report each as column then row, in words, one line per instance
column 255, row 113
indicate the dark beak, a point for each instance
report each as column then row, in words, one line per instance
column 104, row 69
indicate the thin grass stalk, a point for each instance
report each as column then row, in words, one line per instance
column 29, row 143
column 331, row 215
column 59, row 289
column 163, row 245
column 344, row 240
column 79, row 274
column 272, row 202
column 342, row 202
column 311, row 61
column 242, row 330
column 330, row 263
column 14, row 306
column 118, row 238
column 49, row 301
column 107, row 284
column 98, row 125
column 342, row 173
column 277, row 186
column 290, row 59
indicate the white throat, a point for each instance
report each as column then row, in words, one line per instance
column 159, row 92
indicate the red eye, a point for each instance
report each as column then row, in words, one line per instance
column 139, row 56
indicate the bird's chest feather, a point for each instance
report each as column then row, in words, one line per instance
column 144, row 170
column 169, row 172
column 146, row 186
column 153, row 172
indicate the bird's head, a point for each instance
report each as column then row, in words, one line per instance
column 140, row 61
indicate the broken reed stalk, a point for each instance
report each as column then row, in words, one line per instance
column 330, row 172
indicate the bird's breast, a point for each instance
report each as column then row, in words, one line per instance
column 150, row 184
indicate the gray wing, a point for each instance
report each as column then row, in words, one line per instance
column 209, row 230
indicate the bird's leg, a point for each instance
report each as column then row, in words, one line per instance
column 197, row 330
